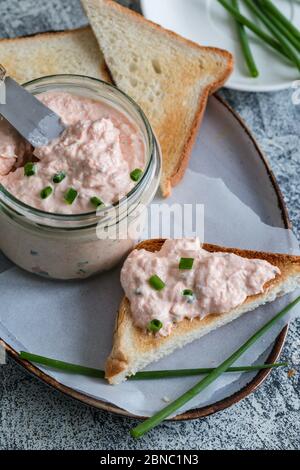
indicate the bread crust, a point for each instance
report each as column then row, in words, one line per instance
column 130, row 340
column 182, row 163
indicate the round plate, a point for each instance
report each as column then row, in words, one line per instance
column 209, row 24
column 254, row 167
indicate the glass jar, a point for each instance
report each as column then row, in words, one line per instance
column 78, row 246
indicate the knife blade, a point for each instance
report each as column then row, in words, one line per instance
column 32, row 119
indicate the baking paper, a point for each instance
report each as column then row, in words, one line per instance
column 73, row 321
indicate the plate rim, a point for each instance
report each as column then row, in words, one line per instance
column 197, row 412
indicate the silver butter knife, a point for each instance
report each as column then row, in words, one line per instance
column 31, row 118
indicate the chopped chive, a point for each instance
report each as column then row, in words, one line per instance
column 46, row 192
column 145, row 375
column 136, row 174
column 71, row 195
column 188, row 292
column 186, row 263
column 30, row 169
column 59, row 177
column 95, row 201
column 155, row 326
column 157, row 283
column 172, row 408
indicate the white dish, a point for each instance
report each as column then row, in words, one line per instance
column 209, row 24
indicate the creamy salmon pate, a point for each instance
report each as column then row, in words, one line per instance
column 183, row 280
column 97, row 160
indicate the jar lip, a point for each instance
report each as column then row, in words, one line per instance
column 85, row 215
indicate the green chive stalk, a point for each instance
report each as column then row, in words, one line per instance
column 244, row 41
column 145, row 375
column 61, row 365
column 280, row 26
column 268, row 5
column 169, row 374
column 155, row 420
column 254, row 28
column 289, row 51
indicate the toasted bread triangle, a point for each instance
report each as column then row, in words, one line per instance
column 67, row 52
column 167, row 75
column 133, row 349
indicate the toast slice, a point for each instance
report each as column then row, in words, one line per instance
column 167, row 75
column 133, row 349
column 70, row 52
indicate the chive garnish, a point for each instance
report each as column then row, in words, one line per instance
column 186, row 263
column 144, row 375
column 157, row 283
column 136, row 174
column 71, row 195
column 95, row 201
column 155, row 326
column 46, row 192
column 150, row 423
column 188, row 293
column 30, row 169
column 59, row 177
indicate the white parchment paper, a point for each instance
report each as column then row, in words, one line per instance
column 74, row 321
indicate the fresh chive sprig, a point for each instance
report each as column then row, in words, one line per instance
column 244, row 41
column 145, row 375
column 155, row 420
column 169, row 374
column 276, row 13
column 281, row 38
column 61, row 365
column 281, row 26
column 254, row 28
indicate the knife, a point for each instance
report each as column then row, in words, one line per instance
column 31, row 118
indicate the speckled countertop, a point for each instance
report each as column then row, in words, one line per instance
column 33, row 416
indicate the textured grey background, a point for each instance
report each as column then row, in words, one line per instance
column 32, row 416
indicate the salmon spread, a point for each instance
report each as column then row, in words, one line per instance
column 183, row 280
column 97, row 160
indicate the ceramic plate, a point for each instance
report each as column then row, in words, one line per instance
column 207, row 23
column 227, row 148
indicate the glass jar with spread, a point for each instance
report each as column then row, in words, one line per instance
column 75, row 208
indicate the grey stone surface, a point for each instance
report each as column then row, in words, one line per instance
column 33, row 416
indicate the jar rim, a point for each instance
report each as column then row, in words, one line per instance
column 152, row 143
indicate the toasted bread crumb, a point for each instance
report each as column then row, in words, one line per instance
column 291, row 373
